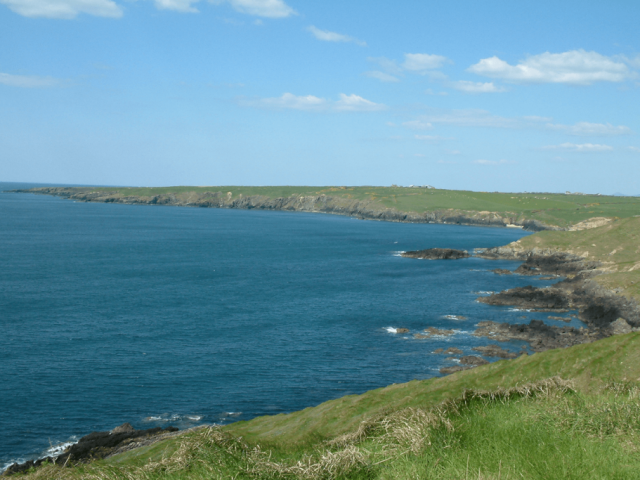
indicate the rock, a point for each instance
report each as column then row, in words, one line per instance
column 473, row 360
column 502, row 271
column 620, row 327
column 402, row 330
column 530, row 298
column 562, row 319
column 124, row 428
column 439, row 331
column 494, row 351
column 437, row 254
column 438, row 351
column 94, row 446
column 419, row 336
column 453, row 351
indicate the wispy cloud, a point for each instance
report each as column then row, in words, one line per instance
column 576, row 67
column 28, row 81
column 418, row 125
column 383, row 77
column 483, row 118
column 63, row 9
column 634, row 149
column 259, row 8
column 311, row 103
column 183, row 6
column 476, row 87
column 591, row 129
column 417, row 63
column 580, row 148
column 422, row 62
column 327, row 36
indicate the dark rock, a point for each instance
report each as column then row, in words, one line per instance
column 94, row 446
column 530, row 298
column 502, row 271
column 562, row 319
column 437, row 254
column 453, row 351
column 495, row 351
column 438, row 331
column 402, row 330
column 473, row 360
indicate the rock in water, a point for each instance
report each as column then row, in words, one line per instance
column 437, row 254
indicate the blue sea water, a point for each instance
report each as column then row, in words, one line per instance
column 165, row 315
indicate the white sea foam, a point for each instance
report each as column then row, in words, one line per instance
column 483, row 292
column 391, row 329
column 453, row 317
column 195, row 418
column 55, row 450
column 398, row 253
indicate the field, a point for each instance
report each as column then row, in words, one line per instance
column 506, row 420
column 550, row 208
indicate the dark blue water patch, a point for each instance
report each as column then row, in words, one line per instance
column 166, row 315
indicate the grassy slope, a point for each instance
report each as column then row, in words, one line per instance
column 590, row 434
column 616, row 245
column 553, row 209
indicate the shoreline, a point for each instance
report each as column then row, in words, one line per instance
column 336, row 205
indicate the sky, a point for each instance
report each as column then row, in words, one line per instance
column 486, row 96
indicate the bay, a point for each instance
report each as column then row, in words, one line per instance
column 166, row 315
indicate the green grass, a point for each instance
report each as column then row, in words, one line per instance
column 451, row 427
column 616, row 246
column 553, row 209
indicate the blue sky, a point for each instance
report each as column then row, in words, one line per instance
column 507, row 96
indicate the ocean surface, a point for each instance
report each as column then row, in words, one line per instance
column 164, row 316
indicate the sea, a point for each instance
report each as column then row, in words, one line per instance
column 181, row 316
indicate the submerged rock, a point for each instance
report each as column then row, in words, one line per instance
column 495, row 351
column 437, row 254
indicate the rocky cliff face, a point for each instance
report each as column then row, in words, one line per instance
column 362, row 209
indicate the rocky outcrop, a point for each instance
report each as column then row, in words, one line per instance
column 495, row 351
column 437, row 254
column 97, row 445
column 339, row 205
column 540, row 336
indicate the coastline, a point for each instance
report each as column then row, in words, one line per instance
column 336, row 205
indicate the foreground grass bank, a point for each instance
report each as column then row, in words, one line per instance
column 553, row 210
column 509, row 419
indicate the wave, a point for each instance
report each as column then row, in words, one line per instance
column 391, row 329
column 398, row 253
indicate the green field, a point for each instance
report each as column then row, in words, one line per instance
column 550, row 208
column 503, row 420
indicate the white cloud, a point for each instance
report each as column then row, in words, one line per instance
column 327, row 36
column 453, row 152
column 383, row 77
column 591, row 129
column 576, row 67
column 259, row 8
column 418, row 125
column 25, row 81
column 421, row 62
column 65, row 9
column 581, row 148
column 634, row 149
column 345, row 103
column 183, row 6
column 476, row 87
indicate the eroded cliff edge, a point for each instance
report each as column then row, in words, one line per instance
column 333, row 204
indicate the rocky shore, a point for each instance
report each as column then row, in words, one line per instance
column 99, row 445
column 362, row 209
column 604, row 312
column 437, row 254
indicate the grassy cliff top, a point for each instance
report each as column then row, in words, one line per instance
column 616, row 245
column 550, row 208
